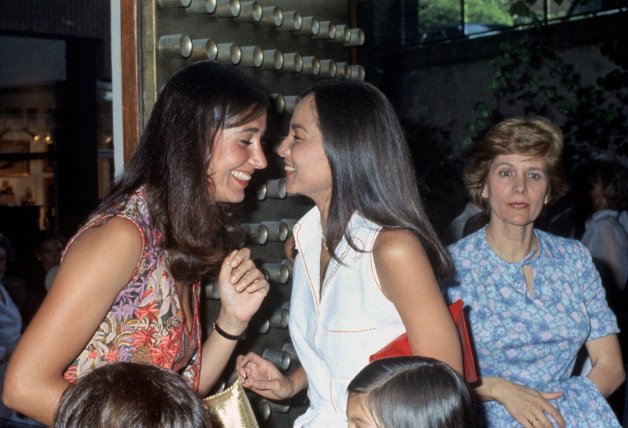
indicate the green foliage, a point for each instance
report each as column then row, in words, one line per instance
column 439, row 12
column 531, row 76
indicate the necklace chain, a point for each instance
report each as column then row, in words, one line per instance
column 324, row 240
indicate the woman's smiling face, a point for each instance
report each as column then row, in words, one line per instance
column 236, row 155
column 307, row 168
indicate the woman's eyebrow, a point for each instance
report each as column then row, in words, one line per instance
column 296, row 126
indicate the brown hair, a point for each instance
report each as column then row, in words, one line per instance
column 535, row 136
column 172, row 158
column 126, row 394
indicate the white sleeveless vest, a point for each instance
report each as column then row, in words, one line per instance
column 335, row 335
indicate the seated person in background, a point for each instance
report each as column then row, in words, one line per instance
column 10, row 327
column 606, row 230
column 48, row 255
column 10, row 323
column 409, row 392
column 131, row 395
column 456, row 228
column 535, row 298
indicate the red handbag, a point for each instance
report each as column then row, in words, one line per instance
column 401, row 347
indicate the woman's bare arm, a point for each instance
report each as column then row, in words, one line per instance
column 407, row 279
column 95, row 268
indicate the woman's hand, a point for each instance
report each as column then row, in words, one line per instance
column 526, row 405
column 262, row 377
column 242, row 289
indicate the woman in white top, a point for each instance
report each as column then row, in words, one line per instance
column 368, row 260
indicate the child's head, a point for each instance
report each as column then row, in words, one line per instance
column 409, row 392
column 131, row 395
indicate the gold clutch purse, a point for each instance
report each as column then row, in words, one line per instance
column 232, row 408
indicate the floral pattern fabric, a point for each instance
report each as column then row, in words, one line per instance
column 146, row 323
column 533, row 340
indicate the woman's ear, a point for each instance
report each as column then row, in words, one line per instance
column 484, row 191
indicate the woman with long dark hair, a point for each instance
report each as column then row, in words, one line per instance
column 128, row 286
column 368, row 261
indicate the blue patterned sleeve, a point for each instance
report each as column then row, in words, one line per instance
column 602, row 319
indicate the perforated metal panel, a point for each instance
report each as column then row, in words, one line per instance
column 288, row 46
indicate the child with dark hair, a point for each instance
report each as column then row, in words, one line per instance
column 410, row 392
column 131, row 395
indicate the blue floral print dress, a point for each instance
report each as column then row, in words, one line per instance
column 534, row 340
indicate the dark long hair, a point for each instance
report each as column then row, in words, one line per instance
column 371, row 166
column 127, row 394
column 172, row 159
column 415, row 392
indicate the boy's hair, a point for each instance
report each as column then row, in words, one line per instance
column 129, row 394
column 415, row 392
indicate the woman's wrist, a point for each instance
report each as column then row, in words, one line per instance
column 231, row 325
column 228, row 335
column 297, row 381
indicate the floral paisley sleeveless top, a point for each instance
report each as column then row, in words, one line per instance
column 146, row 323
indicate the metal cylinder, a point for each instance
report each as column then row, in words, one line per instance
column 211, row 290
column 201, row 7
column 279, row 318
column 256, row 233
column 278, row 407
column 272, row 16
column 203, row 49
column 227, row 8
column 273, row 59
column 356, row 37
column 276, row 272
column 310, row 26
column 280, row 359
column 292, row 62
column 250, row 11
column 290, row 222
column 311, row 65
column 342, row 70
column 289, row 348
column 292, row 21
column 343, row 34
column 277, row 231
column 219, row 387
column 327, row 30
column 164, row 4
column 263, row 409
column 229, row 53
column 275, row 188
column 264, row 328
column 357, row 72
column 174, row 46
column 328, row 68
column 280, row 104
column 252, row 56
column 290, row 102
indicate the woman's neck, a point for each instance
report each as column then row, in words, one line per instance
column 511, row 243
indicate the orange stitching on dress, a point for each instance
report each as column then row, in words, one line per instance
column 336, row 266
column 296, row 231
column 373, row 270
column 364, row 330
column 357, row 253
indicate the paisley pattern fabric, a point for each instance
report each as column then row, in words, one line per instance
column 146, row 323
column 529, row 339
